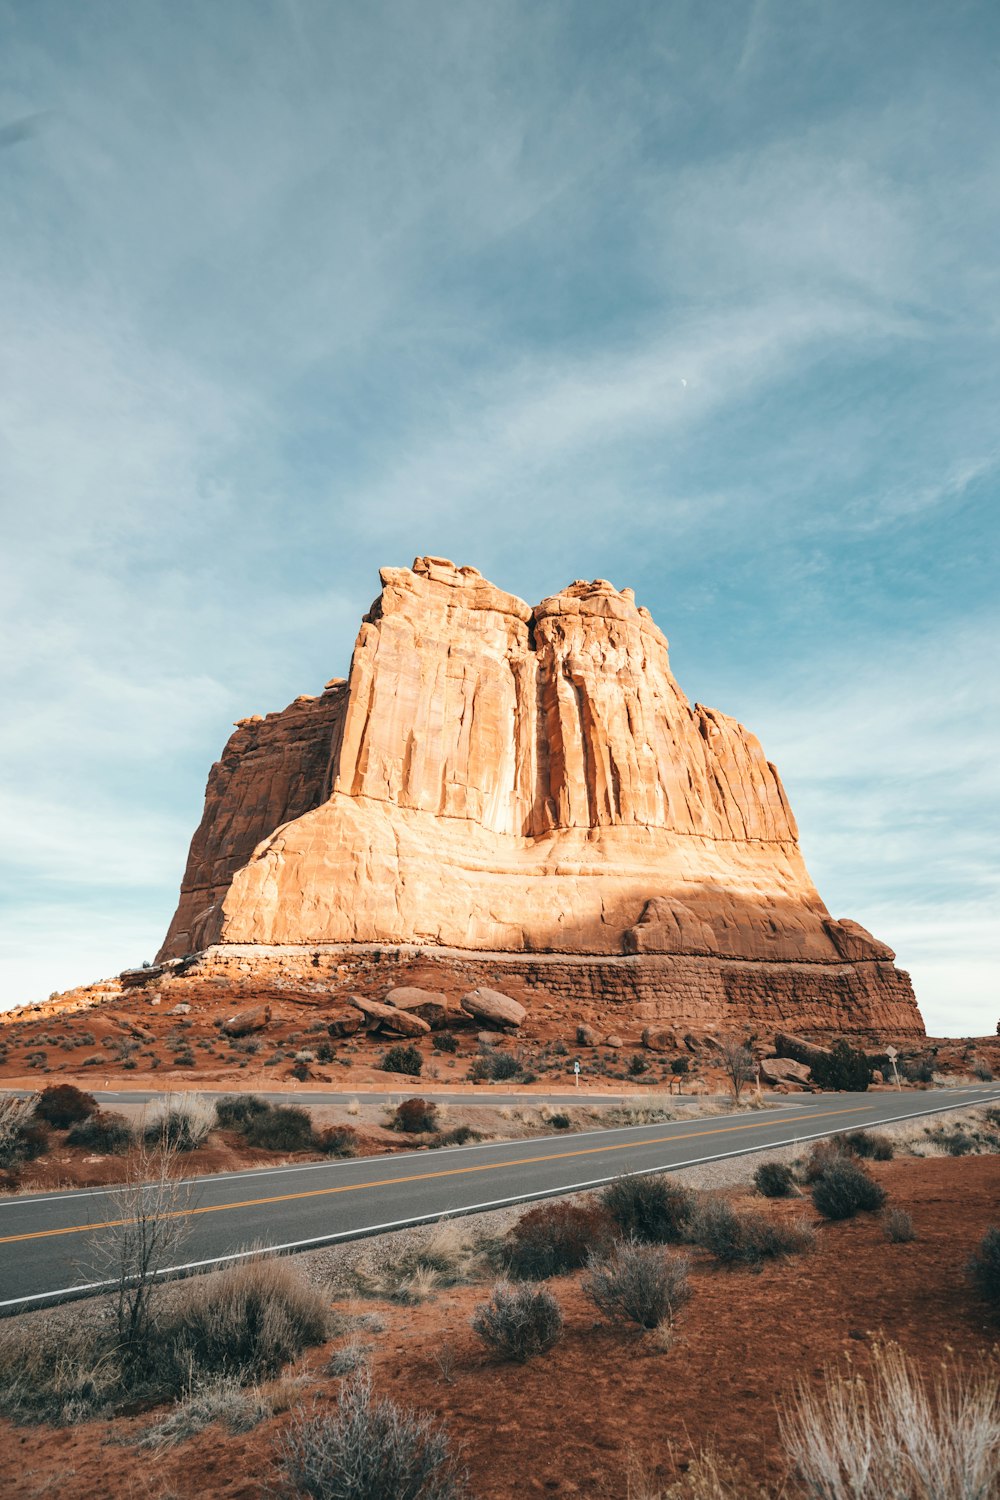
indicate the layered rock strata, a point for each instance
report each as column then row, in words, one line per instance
column 496, row 778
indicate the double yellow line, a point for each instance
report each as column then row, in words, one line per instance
column 359, row 1187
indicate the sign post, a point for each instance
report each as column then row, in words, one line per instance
column 891, row 1054
column 576, row 1072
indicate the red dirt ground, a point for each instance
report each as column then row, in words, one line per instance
column 564, row 1423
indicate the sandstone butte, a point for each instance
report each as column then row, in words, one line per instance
column 524, row 796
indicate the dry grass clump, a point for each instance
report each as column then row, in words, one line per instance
column 182, row 1121
column 638, row 1283
column 447, row 1255
column 709, row 1476
column 649, row 1208
column 246, row 1321
column 224, row 1400
column 746, row 1238
column 903, row 1438
column 62, row 1378
column 518, row 1321
column 368, row 1449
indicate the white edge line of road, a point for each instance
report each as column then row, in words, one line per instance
column 73, row 1292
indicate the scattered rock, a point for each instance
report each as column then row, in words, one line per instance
column 388, row 1018
column 613, row 1041
column 344, row 1022
column 659, row 1039
column 796, row 1047
column 429, row 1005
column 586, row 1036
column 492, row 1038
column 243, row 1022
column 180, row 1009
column 783, row 1070
column 490, row 1005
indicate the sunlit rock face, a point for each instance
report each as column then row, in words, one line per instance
column 493, row 777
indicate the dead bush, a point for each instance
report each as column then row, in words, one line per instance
column 182, row 1122
column 822, row 1155
column 61, row 1376
column 518, row 1322
column 554, row 1238
column 638, row 1283
column 370, row 1449
column 21, row 1137
column 649, row 1208
column 223, row 1400
column 897, row 1226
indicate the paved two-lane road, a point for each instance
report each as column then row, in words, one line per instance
column 46, row 1238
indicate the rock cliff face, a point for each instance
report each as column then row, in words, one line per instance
column 498, row 778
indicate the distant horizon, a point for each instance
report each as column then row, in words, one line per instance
column 702, row 301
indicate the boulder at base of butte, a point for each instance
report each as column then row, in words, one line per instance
column 490, row 1005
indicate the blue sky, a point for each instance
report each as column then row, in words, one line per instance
column 704, row 299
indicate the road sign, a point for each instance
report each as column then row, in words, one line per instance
column 891, row 1052
column 576, row 1072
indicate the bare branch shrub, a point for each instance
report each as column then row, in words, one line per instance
column 20, row 1136
column 182, row 1121
column 746, row 1238
column 897, row 1226
column 370, row 1448
column 518, row 1322
column 737, row 1064
column 638, row 1283
column 901, row 1437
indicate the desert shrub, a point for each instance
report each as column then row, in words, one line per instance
column 400, row 1059
column 845, row 1069
column 408, row 1273
column 822, row 1156
column 918, row 1070
column 246, row 1321
column 638, row 1283
column 62, row 1105
column 869, row 1144
column 337, row 1140
column 897, row 1226
column 182, row 1121
column 236, row 1110
column 443, row 1041
column 745, row 1238
column 638, row 1064
column 984, row 1267
column 300, row 1071
column 21, row 1137
column 900, row 1436
column 982, row 1070
column 456, row 1136
column 955, row 1142
column 845, row 1189
column 560, row 1120
column 370, row 1448
column 650, row 1208
column 518, row 1322
column 493, row 1066
column 104, row 1131
column 415, row 1116
column 282, row 1127
column 556, row 1237
column 774, row 1180
column 680, row 1066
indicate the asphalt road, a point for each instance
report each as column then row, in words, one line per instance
column 46, row 1240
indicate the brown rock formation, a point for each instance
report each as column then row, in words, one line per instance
column 496, row 778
